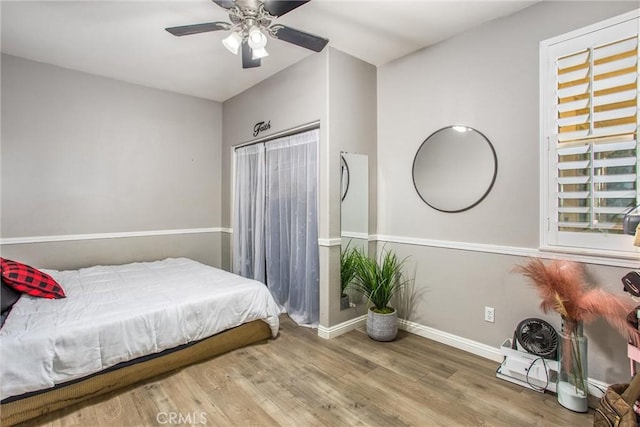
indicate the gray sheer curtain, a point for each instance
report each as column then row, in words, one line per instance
column 248, row 216
column 291, row 227
column 275, row 221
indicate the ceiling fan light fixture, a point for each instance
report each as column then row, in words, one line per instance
column 232, row 42
column 250, row 24
column 259, row 53
column 256, row 39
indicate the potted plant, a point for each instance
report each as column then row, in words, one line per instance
column 378, row 281
column 561, row 285
column 349, row 259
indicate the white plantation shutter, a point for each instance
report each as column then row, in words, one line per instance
column 590, row 119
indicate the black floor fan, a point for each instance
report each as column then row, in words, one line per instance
column 530, row 358
column 538, row 337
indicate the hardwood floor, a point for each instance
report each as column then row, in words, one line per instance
column 299, row 379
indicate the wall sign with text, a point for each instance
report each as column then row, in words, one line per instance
column 261, row 127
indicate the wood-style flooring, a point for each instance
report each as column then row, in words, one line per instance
column 300, row 379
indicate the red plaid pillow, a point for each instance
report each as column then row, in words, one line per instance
column 29, row 280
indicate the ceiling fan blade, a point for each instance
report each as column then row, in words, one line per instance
column 185, row 30
column 280, row 7
column 298, row 37
column 227, row 4
column 247, row 57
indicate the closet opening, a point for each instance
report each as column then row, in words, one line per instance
column 275, row 219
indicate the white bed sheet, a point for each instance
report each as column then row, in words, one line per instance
column 114, row 314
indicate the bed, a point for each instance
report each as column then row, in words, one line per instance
column 121, row 324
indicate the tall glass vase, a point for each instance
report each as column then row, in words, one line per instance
column 572, row 388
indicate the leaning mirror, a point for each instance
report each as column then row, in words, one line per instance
column 354, row 212
column 454, row 169
column 354, row 219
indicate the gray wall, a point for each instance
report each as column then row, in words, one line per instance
column 352, row 118
column 294, row 97
column 83, row 154
column 486, row 78
column 337, row 91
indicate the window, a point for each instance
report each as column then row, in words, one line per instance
column 589, row 118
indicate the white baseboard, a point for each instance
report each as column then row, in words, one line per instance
column 464, row 344
column 470, row 346
column 342, row 328
column 596, row 387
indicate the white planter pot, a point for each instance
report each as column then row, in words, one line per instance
column 382, row 327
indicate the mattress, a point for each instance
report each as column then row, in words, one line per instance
column 113, row 314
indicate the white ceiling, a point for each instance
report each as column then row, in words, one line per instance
column 125, row 40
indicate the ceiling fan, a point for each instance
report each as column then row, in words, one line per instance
column 250, row 20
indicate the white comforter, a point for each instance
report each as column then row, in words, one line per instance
column 117, row 313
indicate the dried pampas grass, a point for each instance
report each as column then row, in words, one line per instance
column 561, row 285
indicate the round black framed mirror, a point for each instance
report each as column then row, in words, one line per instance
column 454, row 169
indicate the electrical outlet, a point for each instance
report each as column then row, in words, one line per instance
column 489, row 314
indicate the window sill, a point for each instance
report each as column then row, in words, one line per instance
column 592, row 256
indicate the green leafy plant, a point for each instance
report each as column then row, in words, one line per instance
column 379, row 280
column 349, row 259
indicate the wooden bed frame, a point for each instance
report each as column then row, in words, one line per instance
column 61, row 397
